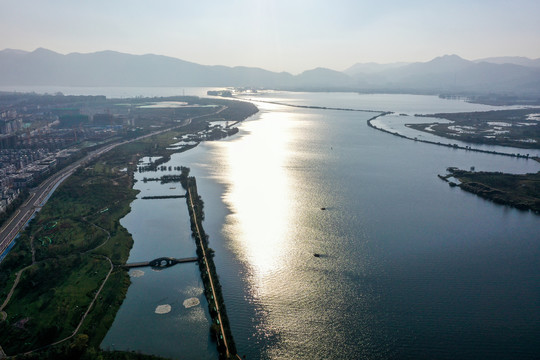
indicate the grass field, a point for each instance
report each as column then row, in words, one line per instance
column 520, row 191
column 73, row 238
column 517, row 128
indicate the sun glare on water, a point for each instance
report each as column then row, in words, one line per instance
column 259, row 196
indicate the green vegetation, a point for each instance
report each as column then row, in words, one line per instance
column 60, row 273
column 516, row 128
column 520, row 191
column 50, row 300
column 81, row 349
column 72, row 241
column 438, row 143
column 201, row 239
column 203, row 110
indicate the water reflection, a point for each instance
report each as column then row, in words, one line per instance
column 405, row 254
column 259, row 196
column 155, row 298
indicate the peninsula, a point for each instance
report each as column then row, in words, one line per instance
column 519, row 191
column 516, row 128
column 77, row 235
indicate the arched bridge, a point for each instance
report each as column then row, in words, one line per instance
column 162, row 262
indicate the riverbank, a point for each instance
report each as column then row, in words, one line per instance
column 517, row 128
column 49, row 315
column 309, row 106
column 262, row 212
column 519, row 191
column 220, row 327
column 438, row 143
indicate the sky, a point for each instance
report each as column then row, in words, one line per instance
column 278, row 35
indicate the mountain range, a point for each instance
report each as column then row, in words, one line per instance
column 445, row 74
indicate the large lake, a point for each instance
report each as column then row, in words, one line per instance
column 409, row 267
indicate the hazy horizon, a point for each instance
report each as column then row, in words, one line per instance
column 396, row 63
column 277, row 36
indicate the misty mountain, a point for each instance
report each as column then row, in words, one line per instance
column 110, row 68
column 448, row 73
column 371, row 68
column 451, row 73
column 321, row 78
column 516, row 60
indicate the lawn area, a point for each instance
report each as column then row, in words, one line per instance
column 72, row 236
column 50, row 301
column 66, row 248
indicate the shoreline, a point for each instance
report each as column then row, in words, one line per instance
column 115, row 159
column 438, row 143
column 512, row 190
column 220, row 327
column 308, row 106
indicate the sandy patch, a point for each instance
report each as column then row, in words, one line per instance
column 163, row 309
column 191, row 302
column 136, row 273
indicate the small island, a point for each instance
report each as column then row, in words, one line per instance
column 519, row 191
column 516, row 128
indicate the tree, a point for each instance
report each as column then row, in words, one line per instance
column 78, row 347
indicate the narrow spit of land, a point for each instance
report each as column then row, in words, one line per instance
column 63, row 241
column 220, row 322
column 516, row 128
column 438, row 143
column 25, row 212
column 519, row 191
column 312, row 107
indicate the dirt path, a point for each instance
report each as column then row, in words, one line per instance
column 209, row 274
column 8, row 298
column 33, row 249
column 19, row 273
column 63, row 175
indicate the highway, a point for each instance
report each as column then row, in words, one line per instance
column 38, row 195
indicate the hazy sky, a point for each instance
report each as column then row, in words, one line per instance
column 279, row 35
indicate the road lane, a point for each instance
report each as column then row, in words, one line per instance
column 9, row 231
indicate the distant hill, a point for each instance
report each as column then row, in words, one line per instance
column 516, row 60
column 448, row 73
column 372, row 68
column 453, row 74
column 110, row 68
column 321, row 78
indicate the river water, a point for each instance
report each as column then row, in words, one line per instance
column 408, row 267
column 161, row 228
